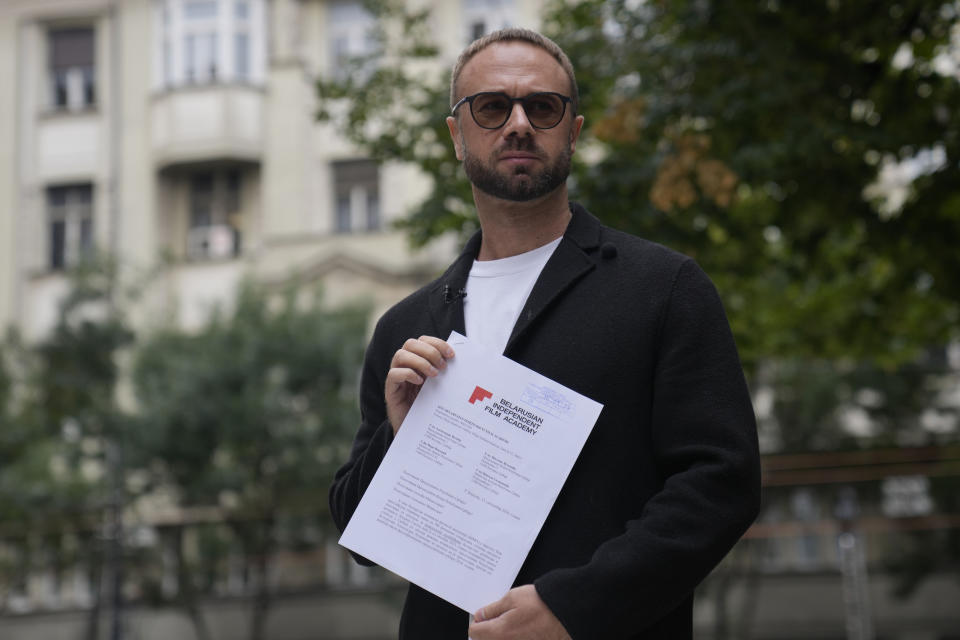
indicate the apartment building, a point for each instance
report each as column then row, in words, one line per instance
column 187, row 129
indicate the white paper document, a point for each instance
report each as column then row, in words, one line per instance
column 470, row 478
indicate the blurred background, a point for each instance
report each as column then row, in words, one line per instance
column 205, row 204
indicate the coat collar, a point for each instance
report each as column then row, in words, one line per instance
column 574, row 256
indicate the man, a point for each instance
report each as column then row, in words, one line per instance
column 669, row 478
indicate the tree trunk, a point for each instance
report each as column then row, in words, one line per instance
column 262, row 600
column 200, row 627
column 188, row 596
column 96, row 574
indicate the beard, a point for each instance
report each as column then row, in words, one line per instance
column 519, row 184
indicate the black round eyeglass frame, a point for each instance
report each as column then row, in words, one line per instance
column 524, row 100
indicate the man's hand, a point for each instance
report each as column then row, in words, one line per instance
column 411, row 365
column 520, row 614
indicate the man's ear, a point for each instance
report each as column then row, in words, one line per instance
column 454, row 128
column 575, row 132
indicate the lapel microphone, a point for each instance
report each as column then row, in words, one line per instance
column 449, row 295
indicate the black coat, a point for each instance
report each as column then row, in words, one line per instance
column 669, row 478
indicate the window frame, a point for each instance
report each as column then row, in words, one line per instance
column 356, row 182
column 220, row 235
column 209, row 49
column 350, row 33
column 74, row 215
column 489, row 15
column 71, row 86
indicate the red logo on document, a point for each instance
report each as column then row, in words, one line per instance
column 481, row 394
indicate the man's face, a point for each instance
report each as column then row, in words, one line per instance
column 517, row 161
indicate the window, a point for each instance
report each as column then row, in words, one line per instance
column 72, row 77
column 351, row 34
column 478, row 29
column 906, row 496
column 209, row 41
column 483, row 16
column 166, row 46
column 241, row 50
column 357, row 196
column 241, row 39
column 215, row 215
column 200, row 41
column 70, row 213
column 200, row 9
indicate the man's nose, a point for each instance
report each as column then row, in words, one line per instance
column 517, row 123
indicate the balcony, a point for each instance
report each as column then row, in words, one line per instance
column 207, row 123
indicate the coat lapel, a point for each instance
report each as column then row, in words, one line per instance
column 572, row 259
column 446, row 305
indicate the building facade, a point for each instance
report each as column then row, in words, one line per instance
column 185, row 130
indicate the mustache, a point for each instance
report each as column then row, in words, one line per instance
column 516, row 143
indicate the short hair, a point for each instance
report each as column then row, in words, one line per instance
column 515, row 34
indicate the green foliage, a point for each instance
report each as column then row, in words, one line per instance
column 816, row 401
column 58, row 420
column 761, row 126
column 747, row 134
column 918, row 555
column 78, row 370
column 251, row 415
column 59, row 410
column 253, row 412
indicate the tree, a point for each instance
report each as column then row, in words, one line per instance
column 61, row 429
column 247, row 418
column 805, row 153
column 758, row 137
column 250, row 416
column 817, row 401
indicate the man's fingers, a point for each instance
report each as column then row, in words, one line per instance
column 440, row 345
column 430, row 349
column 404, row 359
column 398, row 376
column 425, row 355
column 519, row 614
column 418, row 359
column 494, row 609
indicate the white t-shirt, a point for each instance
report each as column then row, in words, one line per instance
column 497, row 291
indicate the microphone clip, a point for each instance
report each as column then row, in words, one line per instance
column 449, row 295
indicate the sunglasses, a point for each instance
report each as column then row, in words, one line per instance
column 492, row 109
